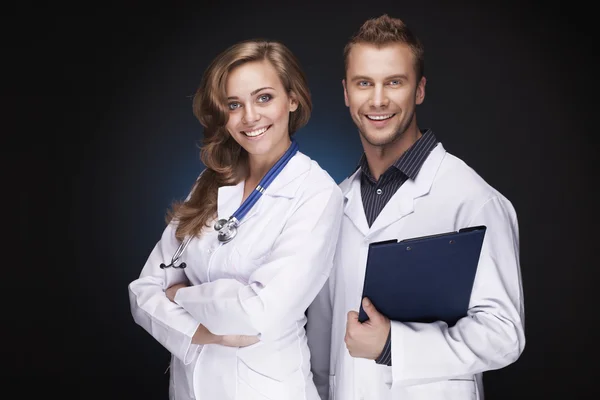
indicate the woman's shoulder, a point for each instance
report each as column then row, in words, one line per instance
column 316, row 176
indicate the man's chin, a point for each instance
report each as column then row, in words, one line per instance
column 379, row 138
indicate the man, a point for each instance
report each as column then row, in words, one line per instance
column 407, row 185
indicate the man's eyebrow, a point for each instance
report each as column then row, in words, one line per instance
column 360, row 78
column 397, row 76
column 387, row 78
column 252, row 93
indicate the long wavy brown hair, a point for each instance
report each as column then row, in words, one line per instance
column 225, row 160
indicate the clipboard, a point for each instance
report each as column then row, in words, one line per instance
column 423, row 279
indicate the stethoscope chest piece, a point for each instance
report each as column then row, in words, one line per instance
column 227, row 230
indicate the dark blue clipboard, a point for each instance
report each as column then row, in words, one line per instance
column 423, row 279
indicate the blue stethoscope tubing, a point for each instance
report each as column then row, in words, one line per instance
column 227, row 228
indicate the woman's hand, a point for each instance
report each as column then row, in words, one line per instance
column 238, row 340
column 204, row 336
column 172, row 290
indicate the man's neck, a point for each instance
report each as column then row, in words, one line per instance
column 380, row 158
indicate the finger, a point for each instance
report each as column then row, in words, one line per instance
column 352, row 324
column 352, row 320
column 248, row 341
column 231, row 341
column 372, row 313
column 348, row 343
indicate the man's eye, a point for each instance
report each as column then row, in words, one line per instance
column 363, row 83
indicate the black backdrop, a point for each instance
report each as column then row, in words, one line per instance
column 99, row 137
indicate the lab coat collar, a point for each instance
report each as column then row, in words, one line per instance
column 353, row 206
column 401, row 203
column 286, row 184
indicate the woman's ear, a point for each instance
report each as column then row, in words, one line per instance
column 293, row 102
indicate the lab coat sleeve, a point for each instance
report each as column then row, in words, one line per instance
column 282, row 288
column 318, row 332
column 167, row 322
column 492, row 335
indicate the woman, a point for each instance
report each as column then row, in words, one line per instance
column 227, row 296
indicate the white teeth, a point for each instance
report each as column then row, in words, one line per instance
column 380, row 117
column 256, row 132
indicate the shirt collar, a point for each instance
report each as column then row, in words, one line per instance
column 411, row 161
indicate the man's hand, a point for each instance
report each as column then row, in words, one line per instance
column 172, row 290
column 366, row 340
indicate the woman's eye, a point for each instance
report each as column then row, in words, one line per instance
column 263, row 98
column 234, row 106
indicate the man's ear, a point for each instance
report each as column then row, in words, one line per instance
column 420, row 94
column 345, row 93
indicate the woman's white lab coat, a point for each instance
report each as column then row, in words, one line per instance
column 260, row 283
column 429, row 361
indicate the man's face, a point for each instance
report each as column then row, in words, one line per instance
column 381, row 91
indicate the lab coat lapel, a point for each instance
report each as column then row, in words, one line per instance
column 229, row 198
column 284, row 185
column 402, row 203
column 353, row 205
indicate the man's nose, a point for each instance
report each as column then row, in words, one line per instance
column 379, row 97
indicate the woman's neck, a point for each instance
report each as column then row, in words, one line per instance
column 259, row 165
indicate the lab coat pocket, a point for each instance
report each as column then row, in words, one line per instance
column 243, row 263
column 453, row 389
column 250, row 348
column 254, row 385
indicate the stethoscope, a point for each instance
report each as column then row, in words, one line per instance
column 227, row 228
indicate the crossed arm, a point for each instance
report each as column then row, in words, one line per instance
column 204, row 336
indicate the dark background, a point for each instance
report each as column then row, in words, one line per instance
column 99, row 138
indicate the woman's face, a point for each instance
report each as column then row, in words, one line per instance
column 259, row 110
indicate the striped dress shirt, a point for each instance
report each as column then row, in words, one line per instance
column 376, row 193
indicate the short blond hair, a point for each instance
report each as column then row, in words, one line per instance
column 386, row 30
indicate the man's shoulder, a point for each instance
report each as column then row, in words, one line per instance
column 455, row 174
